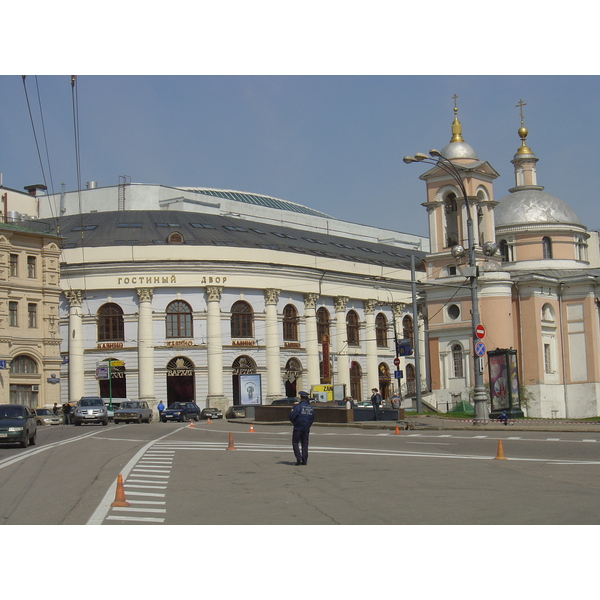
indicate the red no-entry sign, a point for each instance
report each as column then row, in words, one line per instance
column 480, row 331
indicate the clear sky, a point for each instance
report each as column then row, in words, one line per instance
column 334, row 143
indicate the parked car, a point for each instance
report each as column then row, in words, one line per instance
column 90, row 409
column 213, row 413
column 112, row 405
column 17, row 425
column 235, row 412
column 133, row 411
column 285, row 401
column 44, row 416
column 181, row 411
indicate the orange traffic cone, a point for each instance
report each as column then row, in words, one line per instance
column 191, row 423
column 500, row 453
column 208, row 421
column 231, row 446
column 251, row 428
column 397, row 432
column 120, row 494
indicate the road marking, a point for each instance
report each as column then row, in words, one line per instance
column 136, row 519
column 151, row 494
column 102, row 509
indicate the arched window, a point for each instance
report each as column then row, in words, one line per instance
column 503, row 250
column 23, row 364
column 356, row 381
column 290, row 323
column 411, row 380
column 457, row 361
column 352, row 327
column 322, row 323
column 580, row 249
column 408, row 331
column 175, row 238
column 179, row 320
column 381, row 329
column 546, row 247
column 241, row 320
column 110, row 323
column 451, row 217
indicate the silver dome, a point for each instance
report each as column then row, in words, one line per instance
column 459, row 150
column 533, row 206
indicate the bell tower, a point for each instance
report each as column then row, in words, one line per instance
column 448, row 210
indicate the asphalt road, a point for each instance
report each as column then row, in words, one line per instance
column 223, row 473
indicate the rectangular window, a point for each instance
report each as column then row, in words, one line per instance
column 14, row 265
column 13, row 313
column 31, row 270
column 32, row 315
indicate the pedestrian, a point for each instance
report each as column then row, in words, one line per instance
column 375, row 401
column 302, row 417
column 160, row 408
column 395, row 401
column 55, row 409
column 503, row 417
column 67, row 412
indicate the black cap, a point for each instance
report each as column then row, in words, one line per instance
column 303, row 394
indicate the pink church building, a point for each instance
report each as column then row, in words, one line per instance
column 538, row 294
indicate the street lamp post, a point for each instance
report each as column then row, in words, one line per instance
column 480, row 397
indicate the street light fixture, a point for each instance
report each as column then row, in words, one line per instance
column 437, row 159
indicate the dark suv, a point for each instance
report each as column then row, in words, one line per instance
column 180, row 411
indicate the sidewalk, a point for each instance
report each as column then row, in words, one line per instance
column 433, row 423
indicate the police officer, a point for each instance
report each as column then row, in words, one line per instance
column 302, row 417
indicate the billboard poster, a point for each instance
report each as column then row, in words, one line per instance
column 250, row 390
column 514, row 380
column 499, row 381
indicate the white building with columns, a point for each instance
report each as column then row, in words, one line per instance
column 191, row 293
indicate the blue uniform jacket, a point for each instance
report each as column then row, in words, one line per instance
column 302, row 415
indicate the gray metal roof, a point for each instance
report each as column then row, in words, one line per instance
column 258, row 200
column 153, row 227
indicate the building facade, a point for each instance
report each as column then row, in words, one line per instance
column 30, row 359
column 203, row 295
column 538, row 294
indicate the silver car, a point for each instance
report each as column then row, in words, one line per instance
column 90, row 409
column 133, row 411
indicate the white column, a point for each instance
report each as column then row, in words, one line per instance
column 76, row 362
column 311, row 342
column 145, row 347
column 214, row 348
column 371, row 345
column 341, row 344
column 274, row 382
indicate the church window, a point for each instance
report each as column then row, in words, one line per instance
column 451, row 216
column 453, row 312
column 504, row 250
column 546, row 247
column 580, row 249
column 408, row 330
column 457, row 361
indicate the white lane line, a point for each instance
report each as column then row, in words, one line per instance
column 146, row 486
column 136, row 519
column 138, row 470
column 156, row 502
column 145, row 474
column 149, row 494
column 135, row 509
